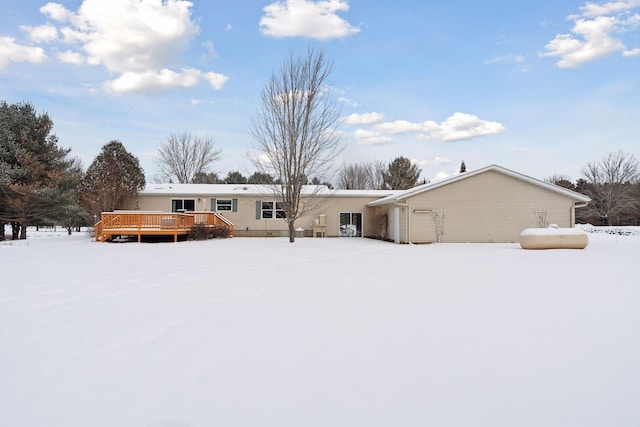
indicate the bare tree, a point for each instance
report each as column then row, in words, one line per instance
column 184, row 157
column 611, row 184
column 295, row 134
column 561, row 180
column 361, row 176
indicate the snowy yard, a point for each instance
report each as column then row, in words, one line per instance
column 324, row 332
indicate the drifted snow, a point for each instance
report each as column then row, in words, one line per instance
column 323, row 332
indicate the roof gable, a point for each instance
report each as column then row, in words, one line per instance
column 394, row 198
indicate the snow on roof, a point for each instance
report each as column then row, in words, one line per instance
column 436, row 184
column 251, row 190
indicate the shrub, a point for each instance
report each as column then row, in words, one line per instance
column 202, row 232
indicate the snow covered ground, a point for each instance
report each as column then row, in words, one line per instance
column 324, row 332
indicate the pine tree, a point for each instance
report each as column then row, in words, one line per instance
column 401, row 174
column 32, row 168
column 260, row 178
column 206, row 178
column 114, row 175
column 235, row 177
column 463, row 167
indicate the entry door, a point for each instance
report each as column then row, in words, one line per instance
column 350, row 224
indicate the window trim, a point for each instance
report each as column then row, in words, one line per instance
column 276, row 211
column 182, row 210
column 233, row 205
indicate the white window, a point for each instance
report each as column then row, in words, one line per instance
column 183, row 205
column 224, row 205
column 270, row 210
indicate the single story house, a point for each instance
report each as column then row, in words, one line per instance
column 255, row 212
column 491, row 204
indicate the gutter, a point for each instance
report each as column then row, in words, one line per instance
column 573, row 211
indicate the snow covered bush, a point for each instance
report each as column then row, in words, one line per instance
column 203, row 232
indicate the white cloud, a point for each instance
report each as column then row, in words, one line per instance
column 347, row 101
column 211, row 50
column 457, row 127
column 71, row 36
column 138, row 41
column 363, row 119
column 71, row 57
column 42, row 33
column 592, row 40
column 306, row 18
column 593, row 35
column 632, row 52
column 436, row 161
column 151, row 81
column 10, row 51
column 516, row 148
column 216, row 80
column 55, row 11
column 517, row 61
column 369, row 137
column 135, row 36
column 200, row 102
column 440, row 175
column 593, row 10
column 462, row 126
column 399, row 126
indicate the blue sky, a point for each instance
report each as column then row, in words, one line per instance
column 539, row 87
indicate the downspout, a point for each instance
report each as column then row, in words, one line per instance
column 573, row 211
column 404, row 205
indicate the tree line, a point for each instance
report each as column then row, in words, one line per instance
column 613, row 184
column 41, row 184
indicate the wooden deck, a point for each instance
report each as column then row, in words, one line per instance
column 137, row 223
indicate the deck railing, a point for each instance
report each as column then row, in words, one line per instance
column 158, row 223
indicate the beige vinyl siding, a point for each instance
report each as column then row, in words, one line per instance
column 488, row 207
column 422, row 227
column 244, row 219
column 390, row 211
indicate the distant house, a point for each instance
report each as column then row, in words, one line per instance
column 492, row 204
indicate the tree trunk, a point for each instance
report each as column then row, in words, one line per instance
column 23, row 231
column 15, row 230
column 292, row 232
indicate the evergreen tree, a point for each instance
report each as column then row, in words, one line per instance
column 260, row 178
column 32, row 168
column 235, row 177
column 401, row 174
column 206, row 178
column 463, row 167
column 69, row 212
column 114, row 175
